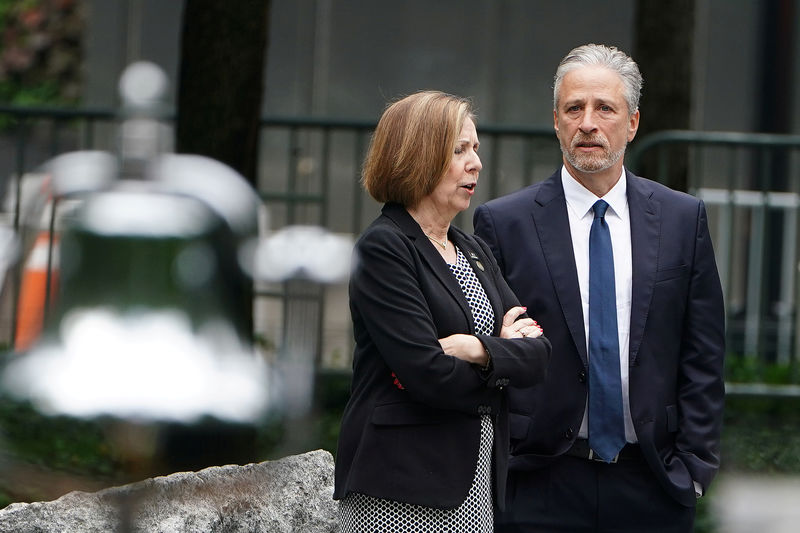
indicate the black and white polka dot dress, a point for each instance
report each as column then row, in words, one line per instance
column 359, row 513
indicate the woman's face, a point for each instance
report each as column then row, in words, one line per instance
column 457, row 186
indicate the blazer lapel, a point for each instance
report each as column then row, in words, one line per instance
column 429, row 254
column 645, row 216
column 552, row 227
column 472, row 251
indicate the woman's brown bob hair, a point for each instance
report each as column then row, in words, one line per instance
column 412, row 146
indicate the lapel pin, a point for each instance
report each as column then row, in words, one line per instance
column 472, row 255
column 479, row 265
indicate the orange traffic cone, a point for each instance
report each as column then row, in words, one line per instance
column 33, row 291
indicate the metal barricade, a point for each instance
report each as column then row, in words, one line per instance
column 750, row 184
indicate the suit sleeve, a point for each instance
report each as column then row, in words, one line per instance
column 506, row 353
column 387, row 297
column 701, row 390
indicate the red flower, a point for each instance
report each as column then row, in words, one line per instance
column 32, row 17
column 397, row 382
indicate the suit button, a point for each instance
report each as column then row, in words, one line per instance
column 582, row 376
column 568, row 433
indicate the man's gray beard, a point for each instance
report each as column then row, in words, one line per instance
column 593, row 163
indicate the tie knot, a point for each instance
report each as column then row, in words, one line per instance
column 599, row 208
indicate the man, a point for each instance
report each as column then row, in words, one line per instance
column 624, row 434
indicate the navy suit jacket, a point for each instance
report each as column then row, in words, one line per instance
column 419, row 444
column 676, row 331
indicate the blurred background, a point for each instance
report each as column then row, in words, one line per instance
column 286, row 92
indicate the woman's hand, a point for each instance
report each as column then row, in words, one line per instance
column 515, row 327
column 465, row 347
column 471, row 350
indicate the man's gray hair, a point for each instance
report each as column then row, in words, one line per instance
column 604, row 56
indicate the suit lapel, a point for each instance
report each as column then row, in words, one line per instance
column 645, row 215
column 552, row 227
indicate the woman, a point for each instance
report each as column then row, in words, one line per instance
column 438, row 336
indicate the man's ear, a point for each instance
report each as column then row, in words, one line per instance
column 633, row 125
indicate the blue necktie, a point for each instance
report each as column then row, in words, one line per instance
column 606, row 425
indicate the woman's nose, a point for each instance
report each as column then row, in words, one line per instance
column 475, row 164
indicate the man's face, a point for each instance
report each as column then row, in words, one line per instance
column 591, row 120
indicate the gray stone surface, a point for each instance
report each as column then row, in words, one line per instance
column 292, row 494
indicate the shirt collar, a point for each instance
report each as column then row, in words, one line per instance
column 580, row 199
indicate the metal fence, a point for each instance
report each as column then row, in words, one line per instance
column 309, row 174
column 750, row 184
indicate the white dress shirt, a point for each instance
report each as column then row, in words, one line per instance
column 579, row 208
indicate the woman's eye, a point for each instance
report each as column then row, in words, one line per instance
column 458, row 150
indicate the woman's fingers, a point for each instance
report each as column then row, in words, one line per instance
column 512, row 314
column 532, row 331
column 515, row 327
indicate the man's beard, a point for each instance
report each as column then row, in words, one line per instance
column 591, row 162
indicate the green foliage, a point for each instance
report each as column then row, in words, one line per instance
column 14, row 92
column 760, row 435
column 333, row 390
column 92, row 454
column 269, row 435
column 9, row 9
column 747, row 369
column 60, row 443
column 40, row 454
column 41, row 56
column 704, row 521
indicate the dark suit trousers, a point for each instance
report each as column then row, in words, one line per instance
column 578, row 495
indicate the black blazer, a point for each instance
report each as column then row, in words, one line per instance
column 676, row 331
column 419, row 444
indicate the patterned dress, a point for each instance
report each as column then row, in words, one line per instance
column 359, row 513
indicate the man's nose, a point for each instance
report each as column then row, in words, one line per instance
column 587, row 124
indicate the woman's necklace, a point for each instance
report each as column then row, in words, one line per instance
column 443, row 243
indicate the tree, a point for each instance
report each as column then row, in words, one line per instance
column 221, row 81
column 220, row 87
column 664, row 45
